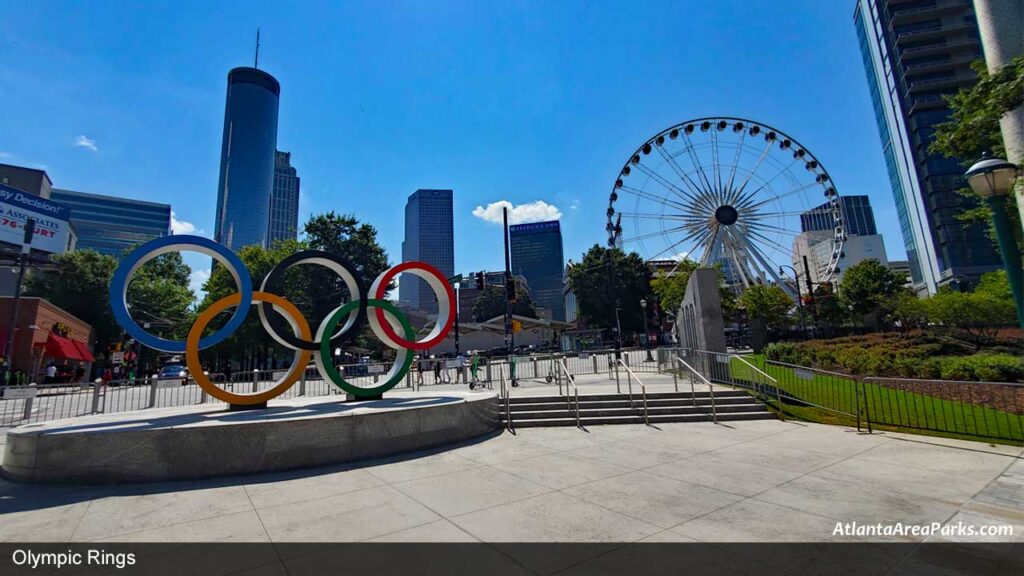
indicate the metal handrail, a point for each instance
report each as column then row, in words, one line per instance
column 576, row 391
column 505, row 396
column 711, row 389
column 643, row 391
column 778, row 393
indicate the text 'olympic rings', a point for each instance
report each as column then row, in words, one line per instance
column 386, row 322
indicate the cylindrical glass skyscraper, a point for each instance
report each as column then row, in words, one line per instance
column 247, row 158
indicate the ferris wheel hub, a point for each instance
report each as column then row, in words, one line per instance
column 726, row 214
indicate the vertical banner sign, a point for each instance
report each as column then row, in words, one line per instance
column 52, row 228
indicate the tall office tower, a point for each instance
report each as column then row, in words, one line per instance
column 430, row 238
column 247, row 158
column 537, row 255
column 112, row 225
column 284, row 200
column 858, row 218
column 915, row 52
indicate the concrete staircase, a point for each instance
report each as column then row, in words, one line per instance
column 532, row 411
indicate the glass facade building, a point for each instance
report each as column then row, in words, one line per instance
column 430, row 238
column 537, row 255
column 915, row 52
column 858, row 218
column 111, row 225
column 284, row 200
column 247, row 159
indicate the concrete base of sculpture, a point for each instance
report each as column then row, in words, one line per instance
column 204, row 441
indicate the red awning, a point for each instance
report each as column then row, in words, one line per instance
column 61, row 347
column 83, row 352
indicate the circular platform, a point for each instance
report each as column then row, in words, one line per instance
column 207, row 440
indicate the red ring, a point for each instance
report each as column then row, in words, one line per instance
column 386, row 278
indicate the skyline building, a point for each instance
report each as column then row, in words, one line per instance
column 284, row 200
column 111, row 225
column 858, row 217
column 537, row 255
column 430, row 238
column 915, row 53
column 247, row 159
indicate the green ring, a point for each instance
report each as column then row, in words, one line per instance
column 325, row 349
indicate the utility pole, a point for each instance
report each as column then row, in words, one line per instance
column 509, row 338
column 26, row 249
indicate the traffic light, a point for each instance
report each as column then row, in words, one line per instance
column 517, row 326
column 510, row 290
column 479, row 280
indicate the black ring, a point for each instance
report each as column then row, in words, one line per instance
column 274, row 277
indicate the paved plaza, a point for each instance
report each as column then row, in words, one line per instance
column 751, row 481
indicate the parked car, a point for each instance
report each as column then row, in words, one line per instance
column 173, row 372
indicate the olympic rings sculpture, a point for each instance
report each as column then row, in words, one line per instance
column 386, row 322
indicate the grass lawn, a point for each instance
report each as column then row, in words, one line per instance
column 888, row 408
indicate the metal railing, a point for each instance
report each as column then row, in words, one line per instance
column 983, row 409
column 505, row 399
column 711, row 389
column 571, row 381
column 643, row 391
column 765, row 380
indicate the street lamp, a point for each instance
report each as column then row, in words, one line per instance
column 992, row 179
column 647, row 333
column 799, row 298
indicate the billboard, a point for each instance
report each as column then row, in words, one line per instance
column 52, row 228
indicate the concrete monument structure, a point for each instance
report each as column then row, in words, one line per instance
column 699, row 323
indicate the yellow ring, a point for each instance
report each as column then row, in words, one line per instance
column 195, row 367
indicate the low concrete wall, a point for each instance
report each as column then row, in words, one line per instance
column 200, row 442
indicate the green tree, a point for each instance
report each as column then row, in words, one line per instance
column 80, row 284
column 250, row 345
column 909, row 312
column 491, row 302
column 344, row 236
column 973, row 129
column 869, row 287
column 606, row 279
column 159, row 294
column 995, row 284
column 979, row 315
column 670, row 288
column 828, row 308
column 767, row 302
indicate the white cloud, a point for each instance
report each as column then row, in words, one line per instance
column 538, row 211
column 681, row 256
column 84, row 142
column 6, row 156
column 196, row 281
column 575, row 205
column 182, row 226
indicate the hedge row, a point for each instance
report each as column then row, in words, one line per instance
column 904, row 358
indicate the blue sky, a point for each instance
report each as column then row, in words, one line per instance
column 518, row 101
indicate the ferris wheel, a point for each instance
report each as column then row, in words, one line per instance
column 728, row 192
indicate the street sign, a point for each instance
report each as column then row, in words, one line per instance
column 117, row 357
column 803, row 373
column 20, row 393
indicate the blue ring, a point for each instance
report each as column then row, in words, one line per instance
column 128, row 265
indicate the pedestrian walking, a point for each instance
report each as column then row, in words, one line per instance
column 420, row 366
column 437, row 370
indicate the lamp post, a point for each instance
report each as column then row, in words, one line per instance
column 647, row 332
column 992, row 179
column 799, row 298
